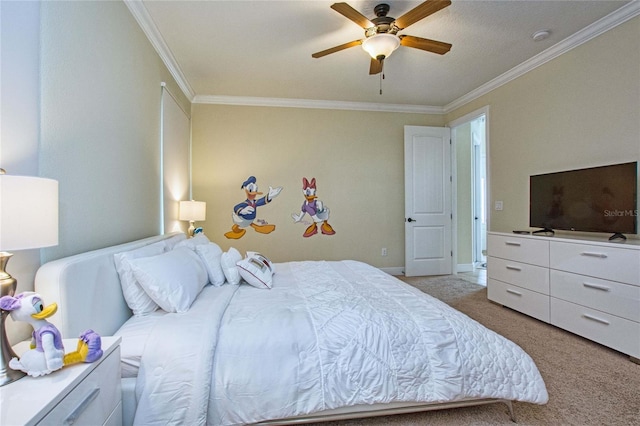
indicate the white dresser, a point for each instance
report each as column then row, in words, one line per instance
column 81, row 394
column 588, row 286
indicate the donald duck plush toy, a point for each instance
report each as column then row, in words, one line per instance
column 47, row 351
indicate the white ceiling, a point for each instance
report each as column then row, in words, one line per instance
column 262, row 49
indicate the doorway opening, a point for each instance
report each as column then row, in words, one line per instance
column 479, row 191
column 470, row 140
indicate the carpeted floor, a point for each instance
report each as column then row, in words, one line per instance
column 588, row 384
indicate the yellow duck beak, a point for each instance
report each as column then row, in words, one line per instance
column 46, row 312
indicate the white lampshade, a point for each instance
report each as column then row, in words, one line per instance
column 193, row 210
column 28, row 212
column 381, row 45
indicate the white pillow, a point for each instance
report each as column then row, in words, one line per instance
column 173, row 241
column 256, row 270
column 210, row 254
column 192, row 243
column 172, row 279
column 228, row 261
column 264, row 258
column 137, row 300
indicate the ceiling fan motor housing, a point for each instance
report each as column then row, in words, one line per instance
column 381, row 10
column 383, row 24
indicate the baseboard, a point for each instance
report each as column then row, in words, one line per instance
column 397, row 270
column 464, row 267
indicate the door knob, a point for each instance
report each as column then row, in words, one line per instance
column 411, row 220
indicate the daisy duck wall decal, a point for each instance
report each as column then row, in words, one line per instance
column 315, row 209
column 244, row 213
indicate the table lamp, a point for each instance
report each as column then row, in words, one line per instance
column 192, row 211
column 28, row 220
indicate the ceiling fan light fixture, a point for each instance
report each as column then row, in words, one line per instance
column 381, row 45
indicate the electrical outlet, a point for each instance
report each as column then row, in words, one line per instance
column 499, row 205
column 384, row 251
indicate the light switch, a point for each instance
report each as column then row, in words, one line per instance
column 498, row 205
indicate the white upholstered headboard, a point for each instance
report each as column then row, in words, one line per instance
column 87, row 289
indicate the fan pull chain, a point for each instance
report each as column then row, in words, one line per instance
column 381, row 77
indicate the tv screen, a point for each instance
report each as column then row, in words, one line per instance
column 597, row 199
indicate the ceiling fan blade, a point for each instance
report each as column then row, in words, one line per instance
column 375, row 67
column 350, row 13
column 337, row 49
column 421, row 11
column 433, row 46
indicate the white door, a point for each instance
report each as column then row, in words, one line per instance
column 428, row 211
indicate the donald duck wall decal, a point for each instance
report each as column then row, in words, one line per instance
column 244, row 213
column 315, row 209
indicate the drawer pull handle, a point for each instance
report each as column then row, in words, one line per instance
column 597, row 286
column 517, row 293
column 594, row 254
column 596, row 319
column 71, row 418
column 513, row 268
column 511, row 243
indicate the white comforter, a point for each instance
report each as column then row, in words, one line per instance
column 327, row 335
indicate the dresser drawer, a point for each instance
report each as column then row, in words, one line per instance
column 531, row 277
column 622, row 300
column 522, row 300
column 526, row 250
column 612, row 263
column 609, row 330
column 92, row 401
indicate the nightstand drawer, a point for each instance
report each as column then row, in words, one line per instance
column 93, row 400
column 612, row 331
column 522, row 300
column 535, row 278
column 115, row 419
column 612, row 263
column 526, row 250
column 623, row 300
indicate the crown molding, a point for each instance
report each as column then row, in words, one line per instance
column 615, row 18
column 317, row 104
column 141, row 15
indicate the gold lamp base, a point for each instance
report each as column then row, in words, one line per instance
column 8, row 286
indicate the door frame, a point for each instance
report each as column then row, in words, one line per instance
column 454, row 172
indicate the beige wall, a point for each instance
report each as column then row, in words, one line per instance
column 356, row 158
column 100, row 123
column 581, row 109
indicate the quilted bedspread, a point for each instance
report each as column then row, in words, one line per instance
column 327, row 335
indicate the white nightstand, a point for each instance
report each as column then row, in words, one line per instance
column 80, row 394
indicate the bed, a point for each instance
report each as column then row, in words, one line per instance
column 326, row 341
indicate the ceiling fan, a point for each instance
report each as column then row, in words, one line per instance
column 381, row 33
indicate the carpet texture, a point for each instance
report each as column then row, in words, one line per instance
column 588, row 384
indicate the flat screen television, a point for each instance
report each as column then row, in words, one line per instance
column 596, row 199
